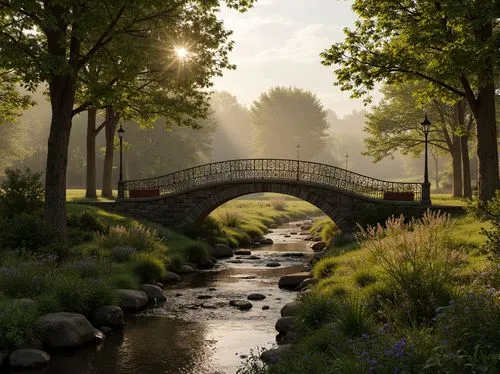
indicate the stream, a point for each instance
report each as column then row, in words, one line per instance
column 195, row 331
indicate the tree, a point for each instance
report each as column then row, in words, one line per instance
column 159, row 149
column 12, row 101
column 394, row 125
column 53, row 42
column 234, row 124
column 284, row 117
column 450, row 44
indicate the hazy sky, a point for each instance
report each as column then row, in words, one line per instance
column 278, row 42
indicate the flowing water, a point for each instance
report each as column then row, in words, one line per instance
column 195, row 331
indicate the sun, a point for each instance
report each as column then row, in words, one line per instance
column 181, row 52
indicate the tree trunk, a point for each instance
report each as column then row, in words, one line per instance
column 107, row 175
column 487, row 151
column 62, row 97
column 483, row 108
column 90, row 184
column 464, row 147
column 436, row 169
column 456, row 161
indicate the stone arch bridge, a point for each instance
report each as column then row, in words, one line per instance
column 189, row 195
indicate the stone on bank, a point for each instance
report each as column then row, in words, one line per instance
column 27, row 358
column 132, row 300
column 65, row 330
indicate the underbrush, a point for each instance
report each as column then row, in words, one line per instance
column 410, row 297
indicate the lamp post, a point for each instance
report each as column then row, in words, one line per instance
column 298, row 159
column 121, row 184
column 426, row 186
column 346, row 156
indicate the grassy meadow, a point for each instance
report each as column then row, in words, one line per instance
column 417, row 297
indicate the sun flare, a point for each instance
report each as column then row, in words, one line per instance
column 181, row 52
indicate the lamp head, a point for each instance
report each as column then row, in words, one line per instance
column 121, row 132
column 426, row 125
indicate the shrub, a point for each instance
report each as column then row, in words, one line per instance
column 196, row 252
column 230, row 219
column 147, row 267
column 26, row 276
column 325, row 267
column 87, row 221
column 175, row 261
column 83, row 227
column 490, row 211
column 470, row 322
column 278, row 204
column 81, row 295
column 416, row 259
column 28, row 232
column 138, row 236
column 122, row 254
column 17, row 325
column 317, row 310
column 353, row 317
column 364, row 278
column 209, row 229
column 21, row 192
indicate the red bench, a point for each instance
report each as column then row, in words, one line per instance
column 399, row 196
column 144, row 193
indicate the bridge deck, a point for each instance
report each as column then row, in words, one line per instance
column 266, row 169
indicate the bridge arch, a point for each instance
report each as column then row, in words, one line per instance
column 336, row 209
column 189, row 195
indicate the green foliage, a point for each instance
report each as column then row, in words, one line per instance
column 13, row 102
column 78, row 294
column 326, row 229
column 137, row 236
column 196, row 252
column 289, row 114
column 325, row 267
column 147, row 267
column 17, row 325
column 393, row 43
column 209, row 229
column 29, row 233
column 83, row 226
column 317, row 310
column 470, row 322
column 21, row 192
column 122, row 254
column 364, row 278
column 417, row 260
column 353, row 318
column 231, row 219
column 489, row 211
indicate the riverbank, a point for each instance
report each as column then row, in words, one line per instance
column 419, row 297
column 111, row 252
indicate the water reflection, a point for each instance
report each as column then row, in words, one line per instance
column 150, row 345
column 189, row 335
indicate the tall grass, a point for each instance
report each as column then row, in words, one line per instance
column 416, row 258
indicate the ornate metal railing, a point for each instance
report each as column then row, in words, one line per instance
column 264, row 169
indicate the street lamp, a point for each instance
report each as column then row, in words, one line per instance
column 298, row 159
column 121, row 185
column 346, row 156
column 426, row 186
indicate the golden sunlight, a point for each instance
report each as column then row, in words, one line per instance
column 181, row 52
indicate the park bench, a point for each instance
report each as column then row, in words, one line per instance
column 399, row 196
column 144, row 193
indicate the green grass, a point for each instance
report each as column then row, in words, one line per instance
column 447, row 199
column 78, row 194
column 244, row 219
